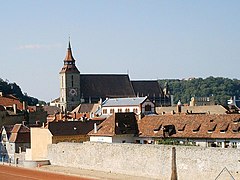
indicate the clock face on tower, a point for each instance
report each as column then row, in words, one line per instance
column 73, row 92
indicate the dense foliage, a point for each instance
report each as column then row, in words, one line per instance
column 221, row 88
column 14, row 89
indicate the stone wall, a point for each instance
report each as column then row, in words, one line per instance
column 147, row 160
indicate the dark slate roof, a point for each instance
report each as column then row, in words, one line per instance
column 83, row 108
column 65, row 128
column 51, row 109
column 117, row 124
column 106, row 85
column 147, row 88
column 20, row 134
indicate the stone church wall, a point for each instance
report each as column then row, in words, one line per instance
column 147, row 160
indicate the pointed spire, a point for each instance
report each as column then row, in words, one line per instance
column 69, row 56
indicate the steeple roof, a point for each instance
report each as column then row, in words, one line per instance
column 69, row 56
column 69, row 62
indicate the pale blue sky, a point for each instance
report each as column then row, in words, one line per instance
column 150, row 39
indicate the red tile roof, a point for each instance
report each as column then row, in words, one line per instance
column 191, row 126
column 9, row 101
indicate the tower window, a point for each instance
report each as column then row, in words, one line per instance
column 72, row 80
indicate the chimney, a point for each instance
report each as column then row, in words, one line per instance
column 95, row 127
column 24, row 106
column 60, row 116
column 140, row 116
column 179, row 107
column 24, row 123
column 1, row 93
column 15, row 108
column 75, row 115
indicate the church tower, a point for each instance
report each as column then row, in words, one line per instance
column 69, row 83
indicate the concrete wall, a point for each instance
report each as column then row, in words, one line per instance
column 147, row 160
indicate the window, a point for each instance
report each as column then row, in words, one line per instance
column 119, row 110
column 135, row 110
column 127, row 110
column 104, row 111
column 111, row 111
column 72, row 80
column 138, row 142
column 148, row 108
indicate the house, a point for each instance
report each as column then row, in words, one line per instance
column 202, row 101
column 234, row 103
column 14, row 140
column 118, row 128
column 4, row 144
column 138, row 105
column 208, row 130
column 55, row 132
column 13, row 111
column 206, row 109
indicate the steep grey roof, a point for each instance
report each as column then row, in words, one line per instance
column 64, row 128
column 124, row 101
column 106, row 85
column 147, row 88
column 83, row 108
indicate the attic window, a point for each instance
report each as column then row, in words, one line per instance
column 196, row 128
column 211, row 120
column 181, row 127
column 236, row 121
column 212, row 128
column 224, row 128
column 235, row 128
column 157, row 129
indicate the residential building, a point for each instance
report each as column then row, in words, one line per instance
column 211, row 109
column 196, row 129
column 13, row 111
column 55, row 132
column 138, row 105
column 118, row 128
column 202, row 101
column 4, row 144
column 14, row 141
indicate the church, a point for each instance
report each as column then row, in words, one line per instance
column 77, row 88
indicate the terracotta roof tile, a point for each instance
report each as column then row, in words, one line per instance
column 9, row 101
column 192, row 126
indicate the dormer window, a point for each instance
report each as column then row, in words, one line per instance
column 181, row 127
column 196, row 128
column 224, row 128
column 212, row 128
column 236, row 121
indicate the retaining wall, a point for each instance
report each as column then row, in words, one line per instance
column 147, row 160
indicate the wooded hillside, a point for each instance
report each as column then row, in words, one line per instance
column 14, row 89
column 221, row 88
